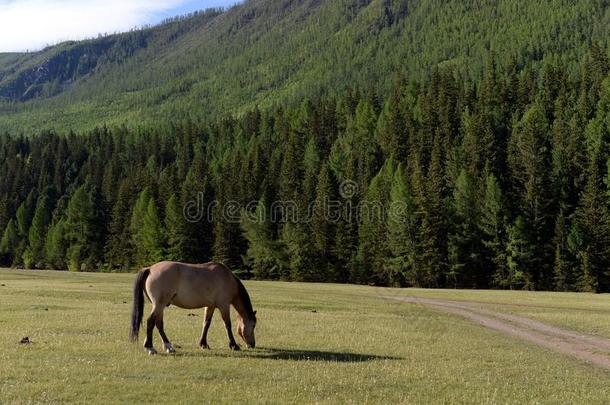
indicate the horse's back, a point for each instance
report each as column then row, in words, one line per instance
column 191, row 285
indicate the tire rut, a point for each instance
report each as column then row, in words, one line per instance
column 589, row 348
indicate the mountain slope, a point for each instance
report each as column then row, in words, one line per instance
column 265, row 52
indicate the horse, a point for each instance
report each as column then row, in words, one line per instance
column 191, row 286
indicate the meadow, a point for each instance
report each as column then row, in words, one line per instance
column 316, row 343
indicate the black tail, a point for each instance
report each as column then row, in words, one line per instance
column 138, row 304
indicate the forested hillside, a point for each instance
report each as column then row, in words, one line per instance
column 266, row 53
column 501, row 182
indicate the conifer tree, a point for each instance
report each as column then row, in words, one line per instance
column 394, row 126
column 531, row 165
column 432, row 236
column 56, row 246
column 465, row 250
column 563, row 266
column 373, row 250
column 265, row 254
column 401, row 227
column 324, row 214
column 137, row 225
column 519, row 254
column 492, row 227
column 591, row 233
column 34, row 255
column 81, row 232
column 119, row 247
column 8, row 243
column 152, row 234
column 178, row 239
column 24, row 216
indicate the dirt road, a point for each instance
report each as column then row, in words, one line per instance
column 593, row 349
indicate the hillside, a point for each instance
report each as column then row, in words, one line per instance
column 268, row 52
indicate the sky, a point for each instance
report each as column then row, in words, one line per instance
column 33, row 24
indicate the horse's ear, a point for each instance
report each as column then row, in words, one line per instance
column 254, row 312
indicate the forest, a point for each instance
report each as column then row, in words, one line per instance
column 503, row 182
column 269, row 53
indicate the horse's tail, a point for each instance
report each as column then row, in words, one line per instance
column 138, row 303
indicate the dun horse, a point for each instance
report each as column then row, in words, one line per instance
column 190, row 286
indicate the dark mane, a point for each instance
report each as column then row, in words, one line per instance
column 245, row 299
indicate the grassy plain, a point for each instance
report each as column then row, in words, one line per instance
column 316, row 343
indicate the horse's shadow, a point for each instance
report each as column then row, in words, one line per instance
column 272, row 353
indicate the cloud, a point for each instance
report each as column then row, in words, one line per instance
column 33, row 24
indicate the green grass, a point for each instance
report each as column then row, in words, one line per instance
column 354, row 348
column 587, row 313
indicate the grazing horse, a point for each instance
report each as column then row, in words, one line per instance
column 190, row 286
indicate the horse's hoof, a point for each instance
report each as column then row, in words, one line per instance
column 150, row 350
column 235, row 347
column 204, row 347
column 169, row 348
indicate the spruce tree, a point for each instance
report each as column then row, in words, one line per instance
column 563, row 265
column 178, row 240
column 519, row 254
column 592, row 231
column 465, row 250
column 119, row 247
column 34, row 255
column 81, row 231
column 492, row 227
column 136, row 226
column 265, row 254
column 373, row 251
column 56, row 246
column 8, row 243
column 24, row 216
column 531, row 165
column 322, row 226
column 152, row 234
column 401, row 225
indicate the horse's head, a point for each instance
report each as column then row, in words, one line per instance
column 245, row 329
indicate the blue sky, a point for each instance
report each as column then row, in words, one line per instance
column 34, row 24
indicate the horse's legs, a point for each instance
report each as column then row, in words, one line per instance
column 226, row 317
column 209, row 312
column 150, row 325
column 159, row 323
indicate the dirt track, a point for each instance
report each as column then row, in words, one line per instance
column 593, row 349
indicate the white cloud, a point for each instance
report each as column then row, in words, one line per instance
column 33, row 24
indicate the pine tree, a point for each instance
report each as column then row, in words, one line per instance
column 373, row 250
column 34, row 255
column 563, row 273
column 137, row 224
column 432, row 239
column 24, row 216
column 322, row 224
column 56, row 246
column 8, row 243
column 492, row 227
column 394, row 126
column 265, row 254
column 531, row 165
column 178, row 239
column 592, row 231
column 465, row 250
column 81, row 231
column 519, row 254
column 119, row 247
column 152, row 234
column 401, row 233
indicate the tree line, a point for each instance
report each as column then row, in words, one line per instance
column 502, row 183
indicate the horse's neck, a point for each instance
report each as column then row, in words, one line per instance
column 240, row 307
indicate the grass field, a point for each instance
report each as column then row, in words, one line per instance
column 315, row 344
